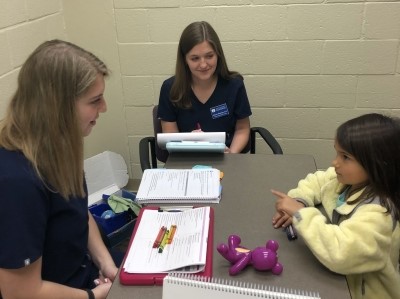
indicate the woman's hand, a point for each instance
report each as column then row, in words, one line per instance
column 109, row 272
column 102, row 289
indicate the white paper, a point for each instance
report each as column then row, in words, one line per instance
column 188, row 247
column 163, row 138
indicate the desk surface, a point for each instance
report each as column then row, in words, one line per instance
column 246, row 209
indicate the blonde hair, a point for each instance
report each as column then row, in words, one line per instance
column 42, row 121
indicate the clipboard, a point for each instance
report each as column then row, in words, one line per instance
column 158, row 278
column 164, row 138
column 195, row 146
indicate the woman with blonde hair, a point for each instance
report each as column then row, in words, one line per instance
column 50, row 244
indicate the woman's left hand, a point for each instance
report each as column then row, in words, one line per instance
column 108, row 273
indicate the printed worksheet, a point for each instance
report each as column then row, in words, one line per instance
column 184, row 251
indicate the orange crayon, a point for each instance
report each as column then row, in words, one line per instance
column 171, row 233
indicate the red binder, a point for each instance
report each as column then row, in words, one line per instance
column 157, row 278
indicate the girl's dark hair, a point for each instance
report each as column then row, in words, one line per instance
column 374, row 141
column 194, row 34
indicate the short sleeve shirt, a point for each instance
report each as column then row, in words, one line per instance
column 37, row 222
column 227, row 104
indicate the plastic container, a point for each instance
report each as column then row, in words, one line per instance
column 111, row 224
column 117, row 228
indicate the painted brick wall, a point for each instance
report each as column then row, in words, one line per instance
column 24, row 25
column 308, row 65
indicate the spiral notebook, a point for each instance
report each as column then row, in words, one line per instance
column 177, row 286
column 161, row 185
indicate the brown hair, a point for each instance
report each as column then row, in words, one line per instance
column 194, row 34
column 41, row 120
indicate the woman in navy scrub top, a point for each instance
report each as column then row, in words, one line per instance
column 50, row 244
column 204, row 95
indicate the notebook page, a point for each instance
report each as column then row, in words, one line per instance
column 189, row 246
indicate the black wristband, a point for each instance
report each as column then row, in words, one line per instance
column 90, row 294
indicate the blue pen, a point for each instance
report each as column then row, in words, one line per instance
column 291, row 233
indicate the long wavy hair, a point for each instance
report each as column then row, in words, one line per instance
column 374, row 141
column 41, row 120
column 194, row 34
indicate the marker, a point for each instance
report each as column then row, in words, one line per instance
column 163, row 242
column 171, row 233
column 174, row 208
column 169, row 210
column 291, row 233
column 160, row 236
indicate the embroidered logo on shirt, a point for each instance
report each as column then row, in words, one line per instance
column 27, row 262
column 219, row 111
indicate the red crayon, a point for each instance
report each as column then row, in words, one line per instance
column 160, row 236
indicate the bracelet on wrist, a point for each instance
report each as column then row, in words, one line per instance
column 90, row 294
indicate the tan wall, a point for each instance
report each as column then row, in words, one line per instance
column 24, row 25
column 308, row 65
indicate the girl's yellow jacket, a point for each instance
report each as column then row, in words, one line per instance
column 361, row 241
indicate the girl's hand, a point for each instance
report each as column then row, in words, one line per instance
column 281, row 220
column 286, row 204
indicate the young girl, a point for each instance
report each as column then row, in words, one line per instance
column 361, row 196
column 50, row 244
column 204, row 95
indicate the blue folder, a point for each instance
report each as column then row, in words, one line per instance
column 195, row 146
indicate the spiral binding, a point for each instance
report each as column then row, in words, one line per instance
column 238, row 287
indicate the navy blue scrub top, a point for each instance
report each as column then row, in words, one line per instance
column 36, row 222
column 227, row 104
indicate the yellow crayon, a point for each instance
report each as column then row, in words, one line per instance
column 163, row 242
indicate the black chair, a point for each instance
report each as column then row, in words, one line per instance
column 150, row 154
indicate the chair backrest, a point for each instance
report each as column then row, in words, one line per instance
column 162, row 155
column 150, row 152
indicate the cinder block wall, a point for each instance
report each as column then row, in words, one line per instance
column 308, row 65
column 24, row 25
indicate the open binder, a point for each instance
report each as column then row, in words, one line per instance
column 157, row 278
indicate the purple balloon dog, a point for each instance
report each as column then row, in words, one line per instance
column 262, row 258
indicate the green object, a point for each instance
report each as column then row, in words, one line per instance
column 121, row 204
